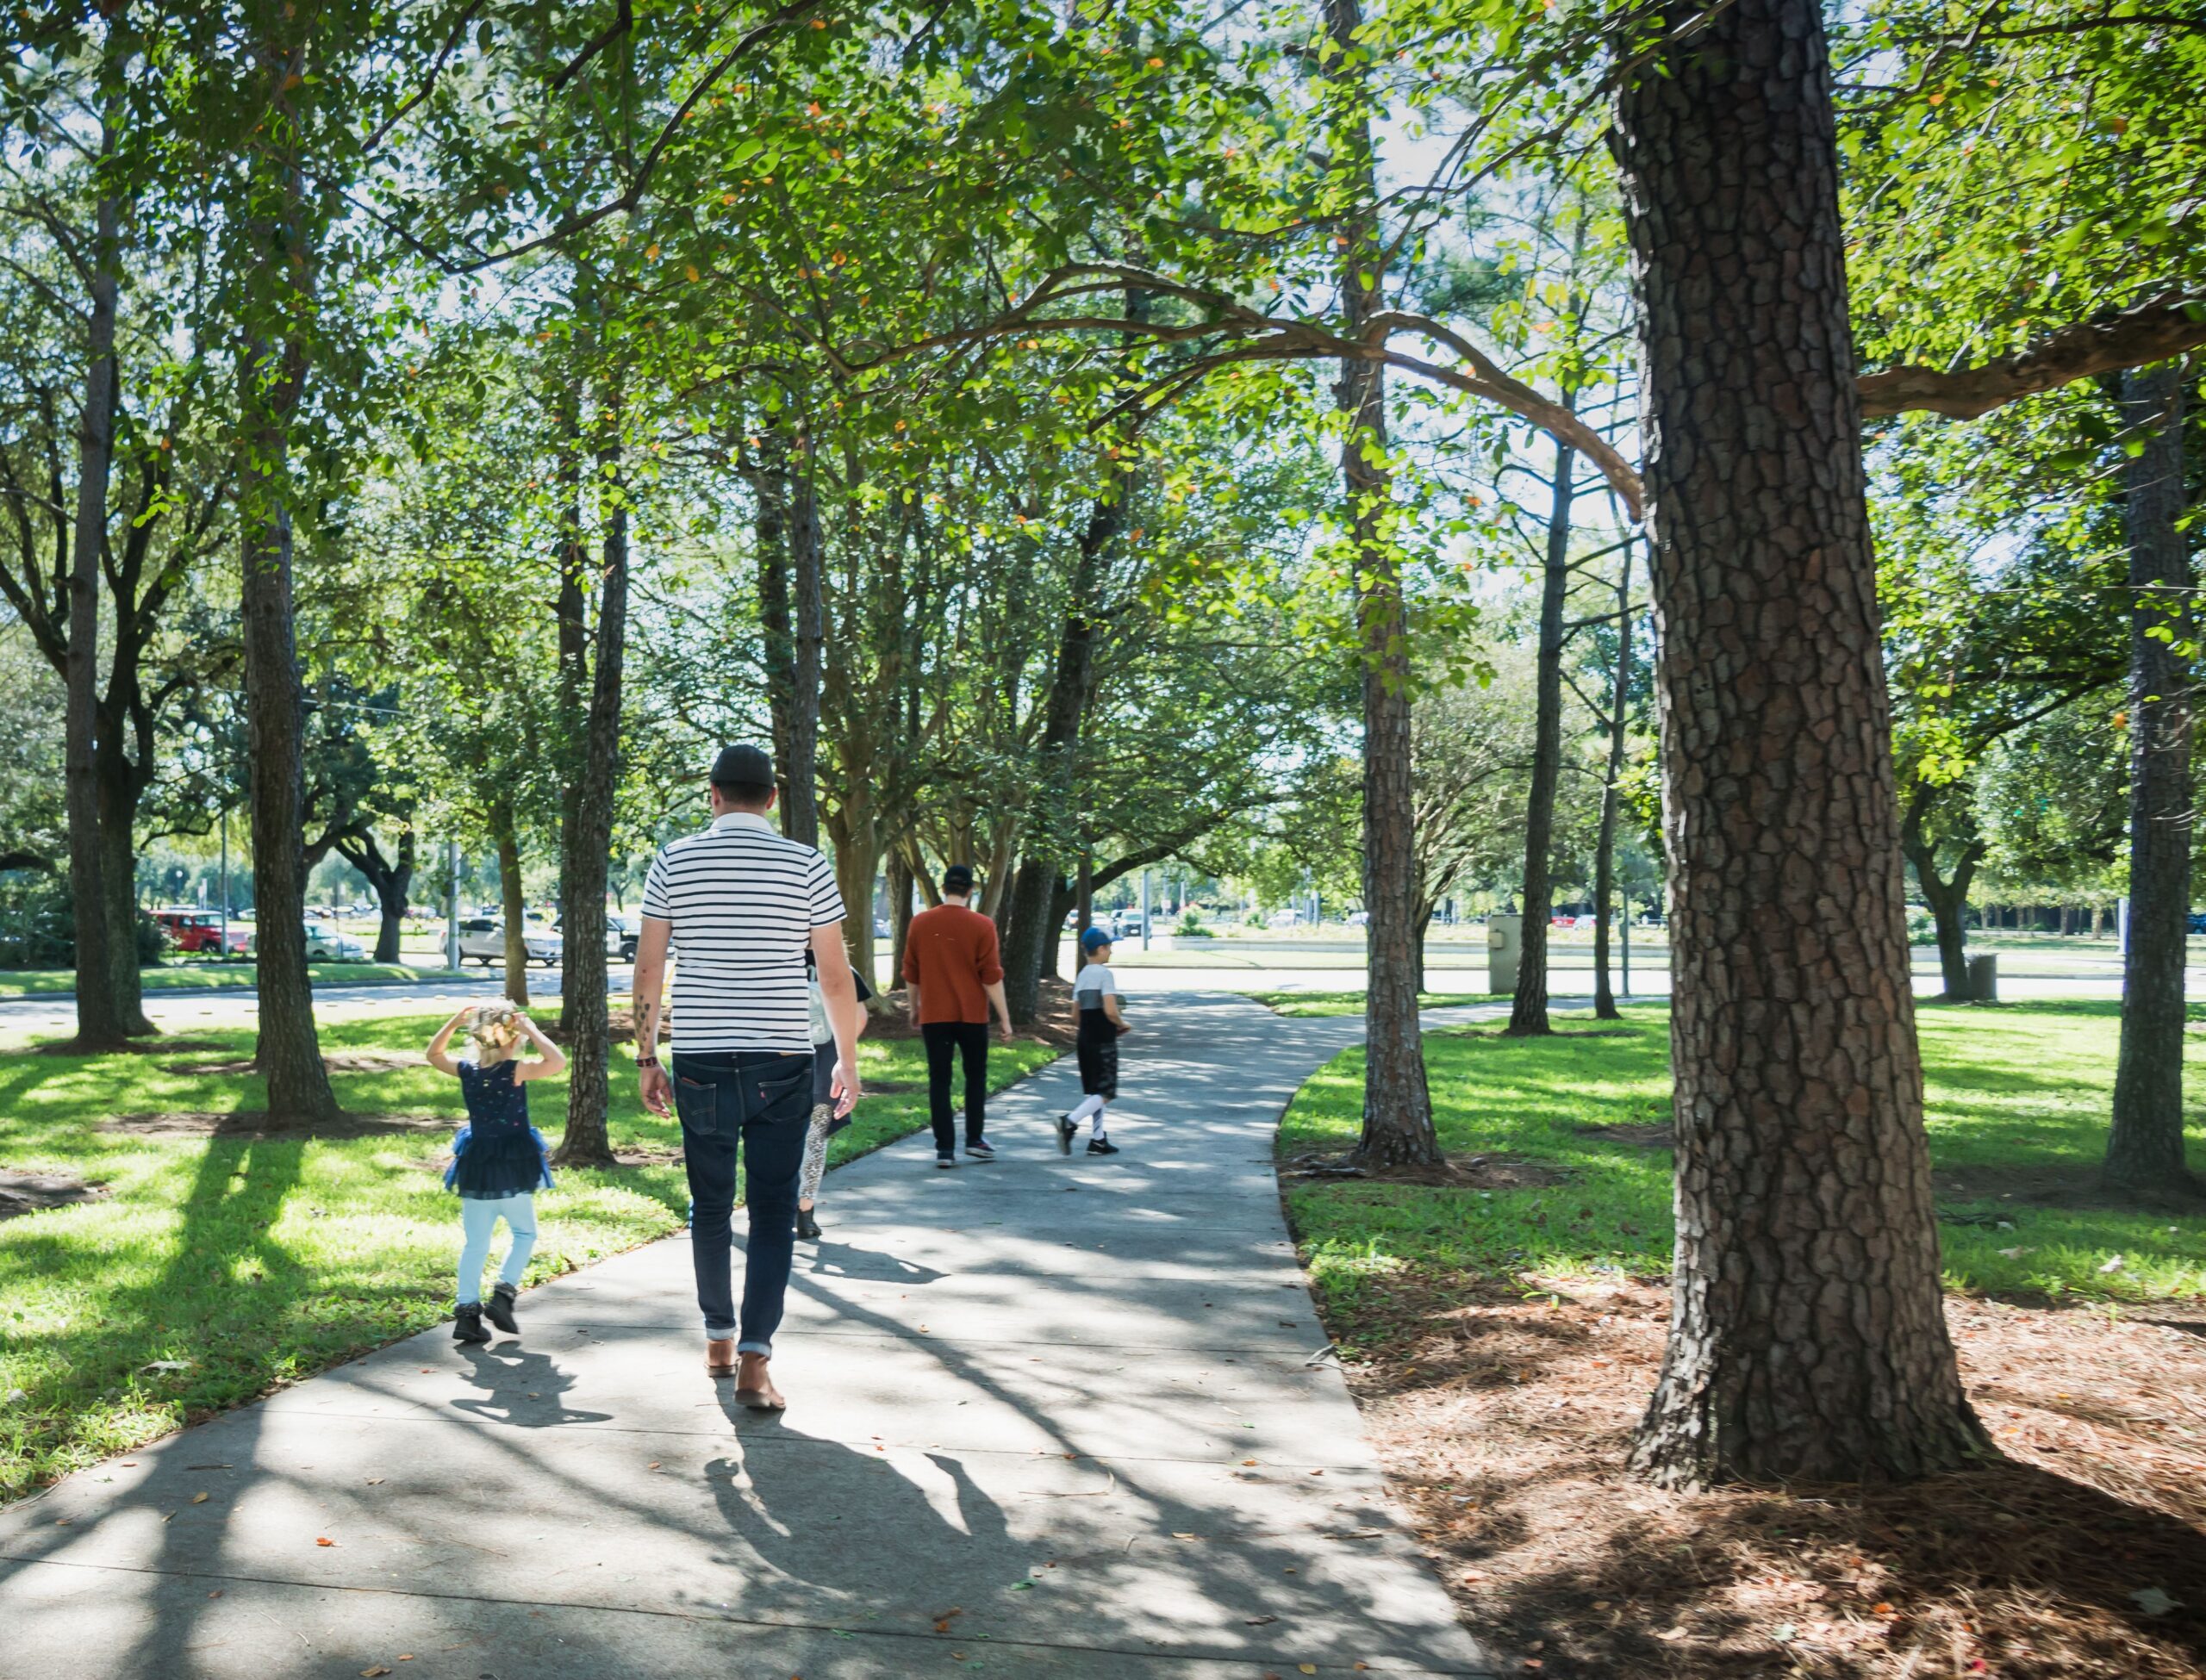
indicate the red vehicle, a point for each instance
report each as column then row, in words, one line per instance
column 200, row 931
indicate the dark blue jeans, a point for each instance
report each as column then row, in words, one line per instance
column 760, row 1101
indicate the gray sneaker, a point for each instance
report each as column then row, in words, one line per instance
column 981, row 1150
column 944, row 1163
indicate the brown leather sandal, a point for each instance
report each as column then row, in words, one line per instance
column 720, row 1358
column 767, row 1399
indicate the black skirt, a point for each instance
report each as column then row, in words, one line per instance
column 1097, row 1049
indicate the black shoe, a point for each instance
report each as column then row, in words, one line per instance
column 1067, row 1130
column 499, row 1310
column 980, row 1149
column 1101, row 1146
column 467, row 1323
column 945, row 1162
column 807, row 1226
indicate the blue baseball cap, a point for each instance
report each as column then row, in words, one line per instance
column 1095, row 940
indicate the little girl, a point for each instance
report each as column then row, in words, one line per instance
column 498, row 1160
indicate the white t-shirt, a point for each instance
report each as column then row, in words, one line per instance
column 1094, row 984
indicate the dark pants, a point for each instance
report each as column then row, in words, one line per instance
column 762, row 1102
column 967, row 1040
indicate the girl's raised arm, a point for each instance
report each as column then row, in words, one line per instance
column 550, row 1059
column 438, row 1059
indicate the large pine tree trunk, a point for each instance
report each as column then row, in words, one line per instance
column 1528, row 1007
column 2144, row 1150
column 1397, row 1104
column 587, row 1141
column 100, row 1024
column 1605, row 850
column 1808, row 1335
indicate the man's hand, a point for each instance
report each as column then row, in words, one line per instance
column 658, row 1090
column 1007, row 1032
column 844, row 1091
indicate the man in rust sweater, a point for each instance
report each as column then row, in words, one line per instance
column 953, row 976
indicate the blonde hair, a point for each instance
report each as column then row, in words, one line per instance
column 495, row 1026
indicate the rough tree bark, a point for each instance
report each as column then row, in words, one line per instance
column 505, row 834
column 1807, row 1337
column 590, row 1052
column 770, row 479
column 1605, row 850
column 2144, row 1148
column 1528, row 1007
column 271, row 380
column 100, row 1024
column 1397, row 1104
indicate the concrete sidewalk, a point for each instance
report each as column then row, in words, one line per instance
column 1046, row 1418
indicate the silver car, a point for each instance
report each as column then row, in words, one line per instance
column 482, row 939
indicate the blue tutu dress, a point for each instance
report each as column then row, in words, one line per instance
column 497, row 1152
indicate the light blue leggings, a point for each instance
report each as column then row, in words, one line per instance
column 478, row 1219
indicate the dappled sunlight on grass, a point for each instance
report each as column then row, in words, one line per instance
column 2017, row 1098
column 222, row 1266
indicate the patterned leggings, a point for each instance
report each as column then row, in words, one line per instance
column 815, row 1154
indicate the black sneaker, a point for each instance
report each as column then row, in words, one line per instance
column 1067, row 1130
column 982, row 1150
column 807, row 1226
column 499, row 1310
column 944, row 1163
column 467, row 1323
column 1101, row 1146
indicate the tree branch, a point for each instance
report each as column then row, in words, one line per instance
column 2158, row 330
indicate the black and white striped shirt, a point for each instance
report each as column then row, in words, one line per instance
column 743, row 900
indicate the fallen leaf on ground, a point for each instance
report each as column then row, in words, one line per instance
column 198, row 1498
column 1258, row 1621
column 370, row 1673
column 1672, row 1636
column 323, row 1540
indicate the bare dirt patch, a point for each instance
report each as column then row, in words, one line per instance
column 32, row 1192
column 1504, row 1422
column 1456, row 1172
column 1651, row 1136
column 135, row 1047
column 337, row 1061
column 255, row 1123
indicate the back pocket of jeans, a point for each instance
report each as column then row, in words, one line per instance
column 699, row 1105
column 784, row 1097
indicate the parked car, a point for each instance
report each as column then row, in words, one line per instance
column 198, row 930
column 621, row 935
column 327, row 945
column 484, row 939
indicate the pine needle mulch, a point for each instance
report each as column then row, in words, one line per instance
column 1504, row 1419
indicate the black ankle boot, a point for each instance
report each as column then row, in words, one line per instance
column 467, row 1323
column 499, row 1310
column 807, row 1226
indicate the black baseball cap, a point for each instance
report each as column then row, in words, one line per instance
column 957, row 878
column 743, row 767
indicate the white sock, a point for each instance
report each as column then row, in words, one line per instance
column 1084, row 1107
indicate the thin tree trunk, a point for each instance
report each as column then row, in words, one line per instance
column 771, row 483
column 801, row 814
column 1605, row 853
column 587, row 1143
column 572, row 611
column 1946, row 896
column 99, row 1022
column 1397, row 1104
column 122, row 784
column 900, row 913
column 1528, row 1008
column 2144, row 1148
column 1807, row 1337
column 514, row 912
column 392, row 879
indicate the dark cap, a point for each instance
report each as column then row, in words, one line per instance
column 743, row 767
column 957, row 878
column 1094, row 939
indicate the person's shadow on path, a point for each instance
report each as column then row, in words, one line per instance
column 853, row 1523
column 521, row 1388
column 868, row 1266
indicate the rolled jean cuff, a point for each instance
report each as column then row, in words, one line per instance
column 765, row 1349
column 719, row 1332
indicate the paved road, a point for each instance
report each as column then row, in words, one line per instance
column 1050, row 1418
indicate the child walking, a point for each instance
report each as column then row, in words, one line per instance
column 824, row 1125
column 498, row 1160
column 1096, row 992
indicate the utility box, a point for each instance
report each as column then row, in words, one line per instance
column 1505, row 949
column 1983, row 977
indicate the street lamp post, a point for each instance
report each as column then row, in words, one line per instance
column 1144, row 910
column 452, row 906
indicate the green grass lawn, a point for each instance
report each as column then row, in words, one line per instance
column 223, row 1267
column 187, row 976
column 2017, row 1106
column 1306, row 1004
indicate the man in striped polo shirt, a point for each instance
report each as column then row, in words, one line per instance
column 740, row 904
